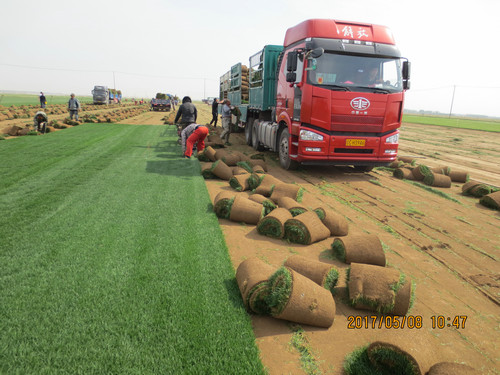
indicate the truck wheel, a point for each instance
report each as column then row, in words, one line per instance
column 248, row 131
column 284, row 150
column 255, row 137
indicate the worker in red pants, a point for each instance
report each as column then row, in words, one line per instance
column 193, row 134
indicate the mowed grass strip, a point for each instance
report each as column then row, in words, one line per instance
column 26, row 99
column 111, row 260
column 455, row 122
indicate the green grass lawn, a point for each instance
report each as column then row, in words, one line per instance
column 112, row 260
column 455, row 122
column 23, row 99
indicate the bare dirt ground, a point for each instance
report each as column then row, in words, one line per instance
column 449, row 248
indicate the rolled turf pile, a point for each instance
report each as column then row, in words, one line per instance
column 287, row 190
column 476, row 189
column 380, row 358
column 267, row 184
column 336, row 223
column 306, row 229
column 407, row 160
column 451, row 368
column 273, row 224
column 380, row 289
column 223, row 203
column 323, row 274
column 221, row 170
column 403, row 173
column 491, row 200
column 243, row 210
column 266, row 202
column 359, row 248
column 298, row 299
column 420, row 172
column 291, row 205
column 240, row 182
column 459, row 176
column 252, row 276
column 437, row 180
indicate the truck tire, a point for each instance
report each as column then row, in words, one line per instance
column 255, row 137
column 283, row 151
column 248, row 131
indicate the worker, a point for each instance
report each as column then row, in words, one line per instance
column 226, row 121
column 187, row 114
column 73, row 107
column 43, row 100
column 215, row 112
column 40, row 122
column 193, row 134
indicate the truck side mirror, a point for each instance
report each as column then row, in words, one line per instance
column 291, row 77
column 406, row 70
column 291, row 61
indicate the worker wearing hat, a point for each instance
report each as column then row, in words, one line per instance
column 193, row 134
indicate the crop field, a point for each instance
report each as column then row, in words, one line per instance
column 455, row 122
column 113, row 259
column 24, row 99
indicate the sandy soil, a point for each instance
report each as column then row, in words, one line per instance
column 449, row 249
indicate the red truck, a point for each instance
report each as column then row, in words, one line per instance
column 331, row 95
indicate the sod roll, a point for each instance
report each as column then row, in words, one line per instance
column 207, row 173
column 359, row 248
column 468, row 186
column 420, row 172
column 377, row 288
column 291, row 205
column 452, row 368
column 240, row 182
column 246, row 211
column 390, row 359
column 260, row 162
column 221, row 170
column 259, row 169
column 491, row 200
column 222, row 204
column 407, row 159
column 209, row 152
column 480, row 190
column 298, row 299
column 441, row 170
column 287, row 190
column 396, row 164
column 437, row 180
column 273, row 224
column 459, row 176
column 252, row 276
column 254, row 181
column 245, row 165
column 267, row 184
column 266, row 202
column 230, row 159
column 323, row 274
column 336, row 223
column 238, row 170
column 306, row 229
column 403, row 173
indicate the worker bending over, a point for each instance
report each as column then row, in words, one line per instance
column 193, row 134
column 40, row 122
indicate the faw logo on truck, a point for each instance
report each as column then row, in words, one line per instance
column 360, row 103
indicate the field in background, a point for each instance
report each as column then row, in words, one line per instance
column 455, row 122
column 24, row 99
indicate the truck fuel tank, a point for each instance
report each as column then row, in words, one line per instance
column 267, row 133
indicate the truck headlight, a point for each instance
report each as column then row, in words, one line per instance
column 392, row 139
column 306, row 135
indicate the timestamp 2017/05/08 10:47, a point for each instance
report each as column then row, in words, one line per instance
column 404, row 321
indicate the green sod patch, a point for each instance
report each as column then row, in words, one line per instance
column 111, row 261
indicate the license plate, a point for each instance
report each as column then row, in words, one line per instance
column 355, row 142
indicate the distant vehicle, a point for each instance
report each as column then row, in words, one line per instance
column 100, row 95
column 161, row 105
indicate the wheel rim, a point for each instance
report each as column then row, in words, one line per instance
column 284, row 149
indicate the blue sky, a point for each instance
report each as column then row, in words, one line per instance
column 149, row 46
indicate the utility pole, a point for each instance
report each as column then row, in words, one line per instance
column 114, row 82
column 452, row 100
column 204, row 88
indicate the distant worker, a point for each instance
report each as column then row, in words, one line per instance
column 43, row 100
column 226, row 121
column 193, row 134
column 73, row 107
column 40, row 122
column 187, row 114
column 215, row 113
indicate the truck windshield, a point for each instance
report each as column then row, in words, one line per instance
column 355, row 73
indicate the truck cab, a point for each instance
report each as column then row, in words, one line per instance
column 339, row 95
